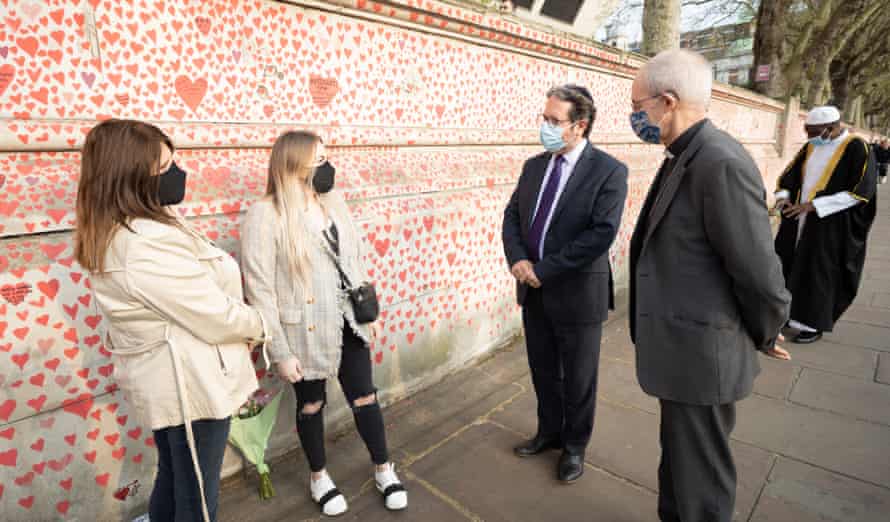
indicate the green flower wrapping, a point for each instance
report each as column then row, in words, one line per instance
column 250, row 431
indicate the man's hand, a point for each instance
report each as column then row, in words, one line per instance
column 290, row 370
column 524, row 272
column 521, row 269
column 777, row 352
column 799, row 210
column 533, row 280
column 374, row 328
column 780, row 206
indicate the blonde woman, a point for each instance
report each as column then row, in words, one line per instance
column 177, row 323
column 290, row 240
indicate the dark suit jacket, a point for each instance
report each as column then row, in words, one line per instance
column 575, row 272
column 706, row 285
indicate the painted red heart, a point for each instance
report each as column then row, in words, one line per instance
column 191, row 92
column 9, row 458
column 80, row 406
column 6, row 409
column 15, row 294
column 7, row 73
column 323, row 90
column 49, row 288
column 37, row 402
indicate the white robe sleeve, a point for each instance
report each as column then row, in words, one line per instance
column 828, row 205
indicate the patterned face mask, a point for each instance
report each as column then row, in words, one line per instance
column 644, row 128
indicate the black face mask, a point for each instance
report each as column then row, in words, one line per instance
column 171, row 186
column 323, row 180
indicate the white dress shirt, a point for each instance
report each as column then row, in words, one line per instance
column 571, row 159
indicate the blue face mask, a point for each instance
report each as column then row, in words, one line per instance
column 644, row 128
column 551, row 137
column 821, row 139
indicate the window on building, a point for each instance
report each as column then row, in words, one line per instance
column 527, row 4
column 563, row 10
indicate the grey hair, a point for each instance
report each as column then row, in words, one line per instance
column 685, row 74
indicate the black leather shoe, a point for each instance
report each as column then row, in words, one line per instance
column 537, row 445
column 807, row 337
column 571, row 467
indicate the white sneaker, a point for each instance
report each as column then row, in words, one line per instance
column 327, row 496
column 394, row 494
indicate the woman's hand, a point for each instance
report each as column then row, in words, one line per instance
column 290, row 370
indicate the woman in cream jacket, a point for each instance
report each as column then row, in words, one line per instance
column 176, row 321
column 289, row 242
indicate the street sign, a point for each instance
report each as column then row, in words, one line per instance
column 763, row 72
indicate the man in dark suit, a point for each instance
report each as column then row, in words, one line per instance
column 558, row 226
column 706, row 286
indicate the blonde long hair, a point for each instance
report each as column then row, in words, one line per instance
column 291, row 167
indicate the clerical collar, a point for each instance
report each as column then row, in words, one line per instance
column 680, row 144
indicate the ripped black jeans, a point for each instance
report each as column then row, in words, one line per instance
column 355, row 380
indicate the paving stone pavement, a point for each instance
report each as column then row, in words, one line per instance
column 811, row 444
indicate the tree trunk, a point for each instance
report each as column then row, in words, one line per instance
column 847, row 20
column 820, row 60
column 840, row 87
column 661, row 26
column 768, row 47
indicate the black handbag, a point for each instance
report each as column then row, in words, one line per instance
column 365, row 305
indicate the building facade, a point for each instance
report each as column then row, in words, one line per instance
column 730, row 48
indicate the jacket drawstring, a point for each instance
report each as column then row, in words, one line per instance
column 187, row 421
column 266, row 339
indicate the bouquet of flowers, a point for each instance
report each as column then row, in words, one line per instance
column 250, row 431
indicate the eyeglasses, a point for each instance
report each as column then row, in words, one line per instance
column 552, row 121
column 638, row 104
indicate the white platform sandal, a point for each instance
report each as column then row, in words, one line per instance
column 327, row 496
column 394, row 495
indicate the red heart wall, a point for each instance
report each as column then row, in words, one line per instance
column 429, row 109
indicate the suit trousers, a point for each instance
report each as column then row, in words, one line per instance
column 697, row 476
column 564, row 363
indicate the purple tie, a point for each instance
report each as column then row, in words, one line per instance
column 536, row 233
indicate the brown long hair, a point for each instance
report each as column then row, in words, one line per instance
column 118, row 183
column 291, row 168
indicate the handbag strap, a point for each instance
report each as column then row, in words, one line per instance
column 329, row 248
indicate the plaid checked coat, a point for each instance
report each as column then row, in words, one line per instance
column 305, row 322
